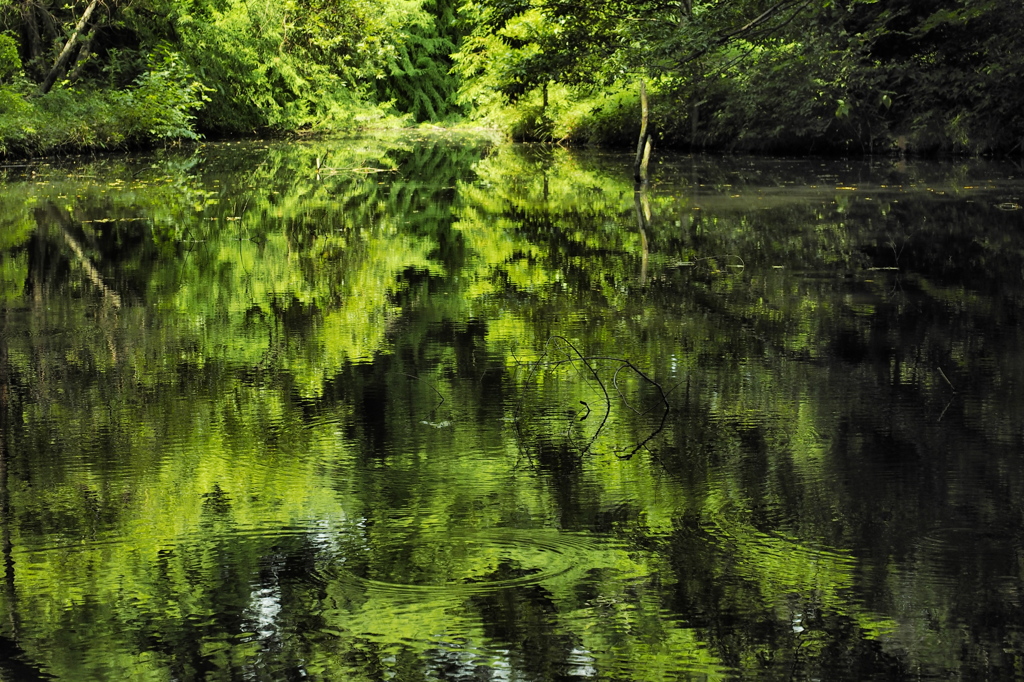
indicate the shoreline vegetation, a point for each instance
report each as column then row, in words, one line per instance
column 855, row 77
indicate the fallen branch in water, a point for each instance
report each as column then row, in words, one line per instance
column 742, row 263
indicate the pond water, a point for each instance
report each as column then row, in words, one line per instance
column 440, row 409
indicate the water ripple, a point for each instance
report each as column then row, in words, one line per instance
column 505, row 558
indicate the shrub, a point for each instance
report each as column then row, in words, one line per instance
column 159, row 107
column 163, row 101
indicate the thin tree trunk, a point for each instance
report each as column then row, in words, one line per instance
column 643, row 145
column 60, row 66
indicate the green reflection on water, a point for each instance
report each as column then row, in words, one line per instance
column 395, row 409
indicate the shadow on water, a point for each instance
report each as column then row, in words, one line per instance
column 424, row 408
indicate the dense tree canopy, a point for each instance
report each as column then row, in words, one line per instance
column 859, row 76
column 862, row 75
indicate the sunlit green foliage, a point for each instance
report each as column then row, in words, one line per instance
column 162, row 69
column 10, row 61
column 864, row 76
column 281, row 65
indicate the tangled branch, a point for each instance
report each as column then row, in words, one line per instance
column 584, row 365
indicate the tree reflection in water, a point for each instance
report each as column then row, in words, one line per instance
column 495, row 416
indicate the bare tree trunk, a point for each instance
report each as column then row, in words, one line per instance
column 61, row 65
column 646, row 158
column 643, row 145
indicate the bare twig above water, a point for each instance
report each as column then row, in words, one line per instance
column 952, row 388
column 597, row 377
column 943, row 414
column 948, row 382
column 591, row 375
column 433, row 388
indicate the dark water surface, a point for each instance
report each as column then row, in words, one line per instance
column 401, row 409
